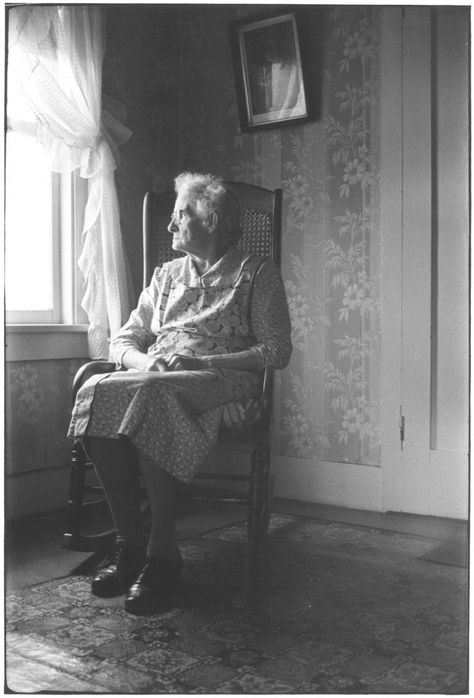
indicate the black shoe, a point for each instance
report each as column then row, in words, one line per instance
column 153, row 590
column 122, row 568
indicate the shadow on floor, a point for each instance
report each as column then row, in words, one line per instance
column 33, row 544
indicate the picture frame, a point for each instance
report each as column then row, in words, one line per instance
column 269, row 72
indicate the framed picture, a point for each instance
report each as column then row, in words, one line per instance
column 268, row 71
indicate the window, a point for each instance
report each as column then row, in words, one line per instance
column 55, row 56
column 31, row 233
column 43, row 222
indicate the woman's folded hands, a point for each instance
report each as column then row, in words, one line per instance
column 177, row 362
column 182, row 362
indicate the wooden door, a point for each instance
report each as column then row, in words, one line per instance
column 425, row 211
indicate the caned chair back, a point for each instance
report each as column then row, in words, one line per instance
column 260, row 222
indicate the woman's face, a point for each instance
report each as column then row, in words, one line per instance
column 190, row 232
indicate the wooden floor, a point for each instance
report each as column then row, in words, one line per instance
column 33, row 551
column 348, row 602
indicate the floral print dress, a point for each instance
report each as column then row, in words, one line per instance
column 174, row 417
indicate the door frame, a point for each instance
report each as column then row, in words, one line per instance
column 415, row 479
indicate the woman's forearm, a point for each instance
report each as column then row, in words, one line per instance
column 247, row 360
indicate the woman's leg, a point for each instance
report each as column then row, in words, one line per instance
column 154, row 588
column 161, row 489
column 120, row 481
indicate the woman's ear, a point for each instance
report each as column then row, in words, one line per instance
column 213, row 222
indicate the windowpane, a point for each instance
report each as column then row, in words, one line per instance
column 29, row 226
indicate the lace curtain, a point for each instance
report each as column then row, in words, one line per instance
column 58, row 52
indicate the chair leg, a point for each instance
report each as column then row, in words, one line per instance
column 259, row 510
column 73, row 539
column 76, row 495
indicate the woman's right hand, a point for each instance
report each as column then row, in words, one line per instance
column 156, row 364
column 136, row 360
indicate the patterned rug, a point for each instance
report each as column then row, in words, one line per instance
column 340, row 609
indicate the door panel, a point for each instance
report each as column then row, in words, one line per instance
column 416, row 259
column 425, row 189
column 450, row 288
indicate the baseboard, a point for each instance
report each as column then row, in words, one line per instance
column 36, row 491
column 338, row 484
column 320, row 482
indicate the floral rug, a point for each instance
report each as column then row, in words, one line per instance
column 340, row 609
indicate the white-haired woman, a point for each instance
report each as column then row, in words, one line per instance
column 202, row 332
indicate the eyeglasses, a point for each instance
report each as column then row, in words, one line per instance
column 179, row 214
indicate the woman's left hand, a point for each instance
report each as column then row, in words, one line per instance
column 180, row 362
column 239, row 415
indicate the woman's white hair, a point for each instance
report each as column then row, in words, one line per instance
column 209, row 195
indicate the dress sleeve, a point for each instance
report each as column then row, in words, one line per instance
column 136, row 333
column 270, row 318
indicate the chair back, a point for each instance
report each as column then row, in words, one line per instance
column 260, row 222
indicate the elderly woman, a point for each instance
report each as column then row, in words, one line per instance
column 202, row 332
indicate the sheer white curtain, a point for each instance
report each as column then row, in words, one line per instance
column 58, row 53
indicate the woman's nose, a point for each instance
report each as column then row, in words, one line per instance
column 172, row 228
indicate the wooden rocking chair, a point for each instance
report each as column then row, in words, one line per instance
column 261, row 232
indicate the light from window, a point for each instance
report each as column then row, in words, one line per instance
column 44, row 210
column 28, row 226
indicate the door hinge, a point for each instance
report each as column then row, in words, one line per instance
column 401, row 427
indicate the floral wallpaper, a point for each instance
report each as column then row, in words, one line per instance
column 181, row 105
column 333, row 413
column 37, row 412
column 184, row 115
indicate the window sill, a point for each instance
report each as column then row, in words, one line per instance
column 41, row 342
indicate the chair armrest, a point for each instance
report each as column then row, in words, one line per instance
column 90, row 369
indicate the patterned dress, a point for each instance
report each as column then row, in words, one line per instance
column 174, row 417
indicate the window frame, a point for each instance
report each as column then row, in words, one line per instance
column 72, row 199
column 30, row 335
column 68, row 201
column 25, row 130
column 33, row 335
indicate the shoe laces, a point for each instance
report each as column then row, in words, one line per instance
column 123, row 554
column 158, row 571
column 115, row 557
